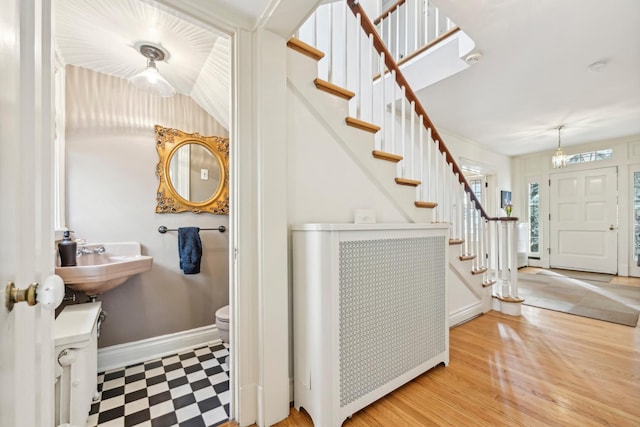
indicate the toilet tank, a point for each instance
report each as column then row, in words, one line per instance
column 76, row 345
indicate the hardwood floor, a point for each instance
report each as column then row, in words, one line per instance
column 543, row 368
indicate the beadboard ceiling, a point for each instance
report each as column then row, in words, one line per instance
column 100, row 35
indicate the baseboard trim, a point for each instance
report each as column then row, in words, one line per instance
column 465, row 314
column 121, row 355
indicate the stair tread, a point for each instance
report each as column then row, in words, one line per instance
column 479, row 270
column 305, row 49
column 333, row 89
column 489, row 283
column 390, row 157
column 427, row 205
column 456, row 241
column 362, row 125
column 467, row 257
column 510, row 299
column 408, row 181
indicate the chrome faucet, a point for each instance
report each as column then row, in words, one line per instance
column 83, row 250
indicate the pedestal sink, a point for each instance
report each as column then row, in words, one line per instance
column 104, row 266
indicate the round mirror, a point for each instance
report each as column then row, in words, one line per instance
column 194, row 172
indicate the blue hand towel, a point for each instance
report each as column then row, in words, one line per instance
column 190, row 249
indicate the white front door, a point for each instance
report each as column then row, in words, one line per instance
column 583, row 222
column 27, row 247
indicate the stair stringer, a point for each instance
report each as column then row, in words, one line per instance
column 474, row 299
column 331, row 111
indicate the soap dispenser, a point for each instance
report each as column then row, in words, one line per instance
column 67, row 249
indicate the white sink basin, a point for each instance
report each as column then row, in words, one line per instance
column 99, row 272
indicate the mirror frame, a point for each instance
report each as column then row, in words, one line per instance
column 168, row 141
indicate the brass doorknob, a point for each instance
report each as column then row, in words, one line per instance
column 15, row 295
column 611, row 227
column 49, row 294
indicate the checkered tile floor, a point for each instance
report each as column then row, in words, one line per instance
column 187, row 389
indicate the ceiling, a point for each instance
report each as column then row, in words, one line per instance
column 533, row 75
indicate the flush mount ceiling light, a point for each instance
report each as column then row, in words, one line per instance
column 559, row 160
column 150, row 79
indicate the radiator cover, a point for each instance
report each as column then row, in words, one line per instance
column 370, row 313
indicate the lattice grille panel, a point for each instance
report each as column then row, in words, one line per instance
column 392, row 310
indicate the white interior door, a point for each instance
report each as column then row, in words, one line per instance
column 26, row 252
column 583, row 222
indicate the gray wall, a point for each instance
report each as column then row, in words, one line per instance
column 111, row 196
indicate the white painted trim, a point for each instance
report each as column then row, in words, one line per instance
column 248, row 393
column 121, row 355
column 465, row 313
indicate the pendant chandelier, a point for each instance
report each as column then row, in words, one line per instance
column 559, row 160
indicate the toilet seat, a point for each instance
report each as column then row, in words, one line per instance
column 222, row 323
column 222, row 314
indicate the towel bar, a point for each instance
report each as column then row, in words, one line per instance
column 162, row 229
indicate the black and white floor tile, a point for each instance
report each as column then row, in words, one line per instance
column 187, row 389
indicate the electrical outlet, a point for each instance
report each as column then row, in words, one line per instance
column 364, row 216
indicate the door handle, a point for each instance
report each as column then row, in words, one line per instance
column 611, row 227
column 49, row 294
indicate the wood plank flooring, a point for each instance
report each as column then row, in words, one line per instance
column 541, row 369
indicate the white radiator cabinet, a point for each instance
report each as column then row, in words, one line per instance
column 369, row 312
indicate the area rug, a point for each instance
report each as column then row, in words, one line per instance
column 596, row 299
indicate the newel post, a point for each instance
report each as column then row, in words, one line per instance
column 505, row 295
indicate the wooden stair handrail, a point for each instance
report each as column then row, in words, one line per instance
column 389, row 11
column 391, row 64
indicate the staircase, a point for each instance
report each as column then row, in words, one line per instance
column 360, row 96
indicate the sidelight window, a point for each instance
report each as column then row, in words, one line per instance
column 534, row 219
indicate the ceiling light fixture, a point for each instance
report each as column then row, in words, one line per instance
column 150, row 80
column 559, row 160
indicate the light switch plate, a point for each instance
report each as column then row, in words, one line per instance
column 364, row 216
column 204, row 174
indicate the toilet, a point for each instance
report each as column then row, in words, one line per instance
column 222, row 323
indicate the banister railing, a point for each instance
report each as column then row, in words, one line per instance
column 391, row 65
column 408, row 26
column 388, row 11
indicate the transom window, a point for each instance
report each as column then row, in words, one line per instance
column 590, row 156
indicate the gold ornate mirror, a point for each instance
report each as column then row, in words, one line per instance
column 193, row 171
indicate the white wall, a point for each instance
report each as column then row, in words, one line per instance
column 111, row 196
column 626, row 157
column 325, row 184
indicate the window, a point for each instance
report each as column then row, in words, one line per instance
column 476, row 187
column 590, row 156
column 534, row 218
